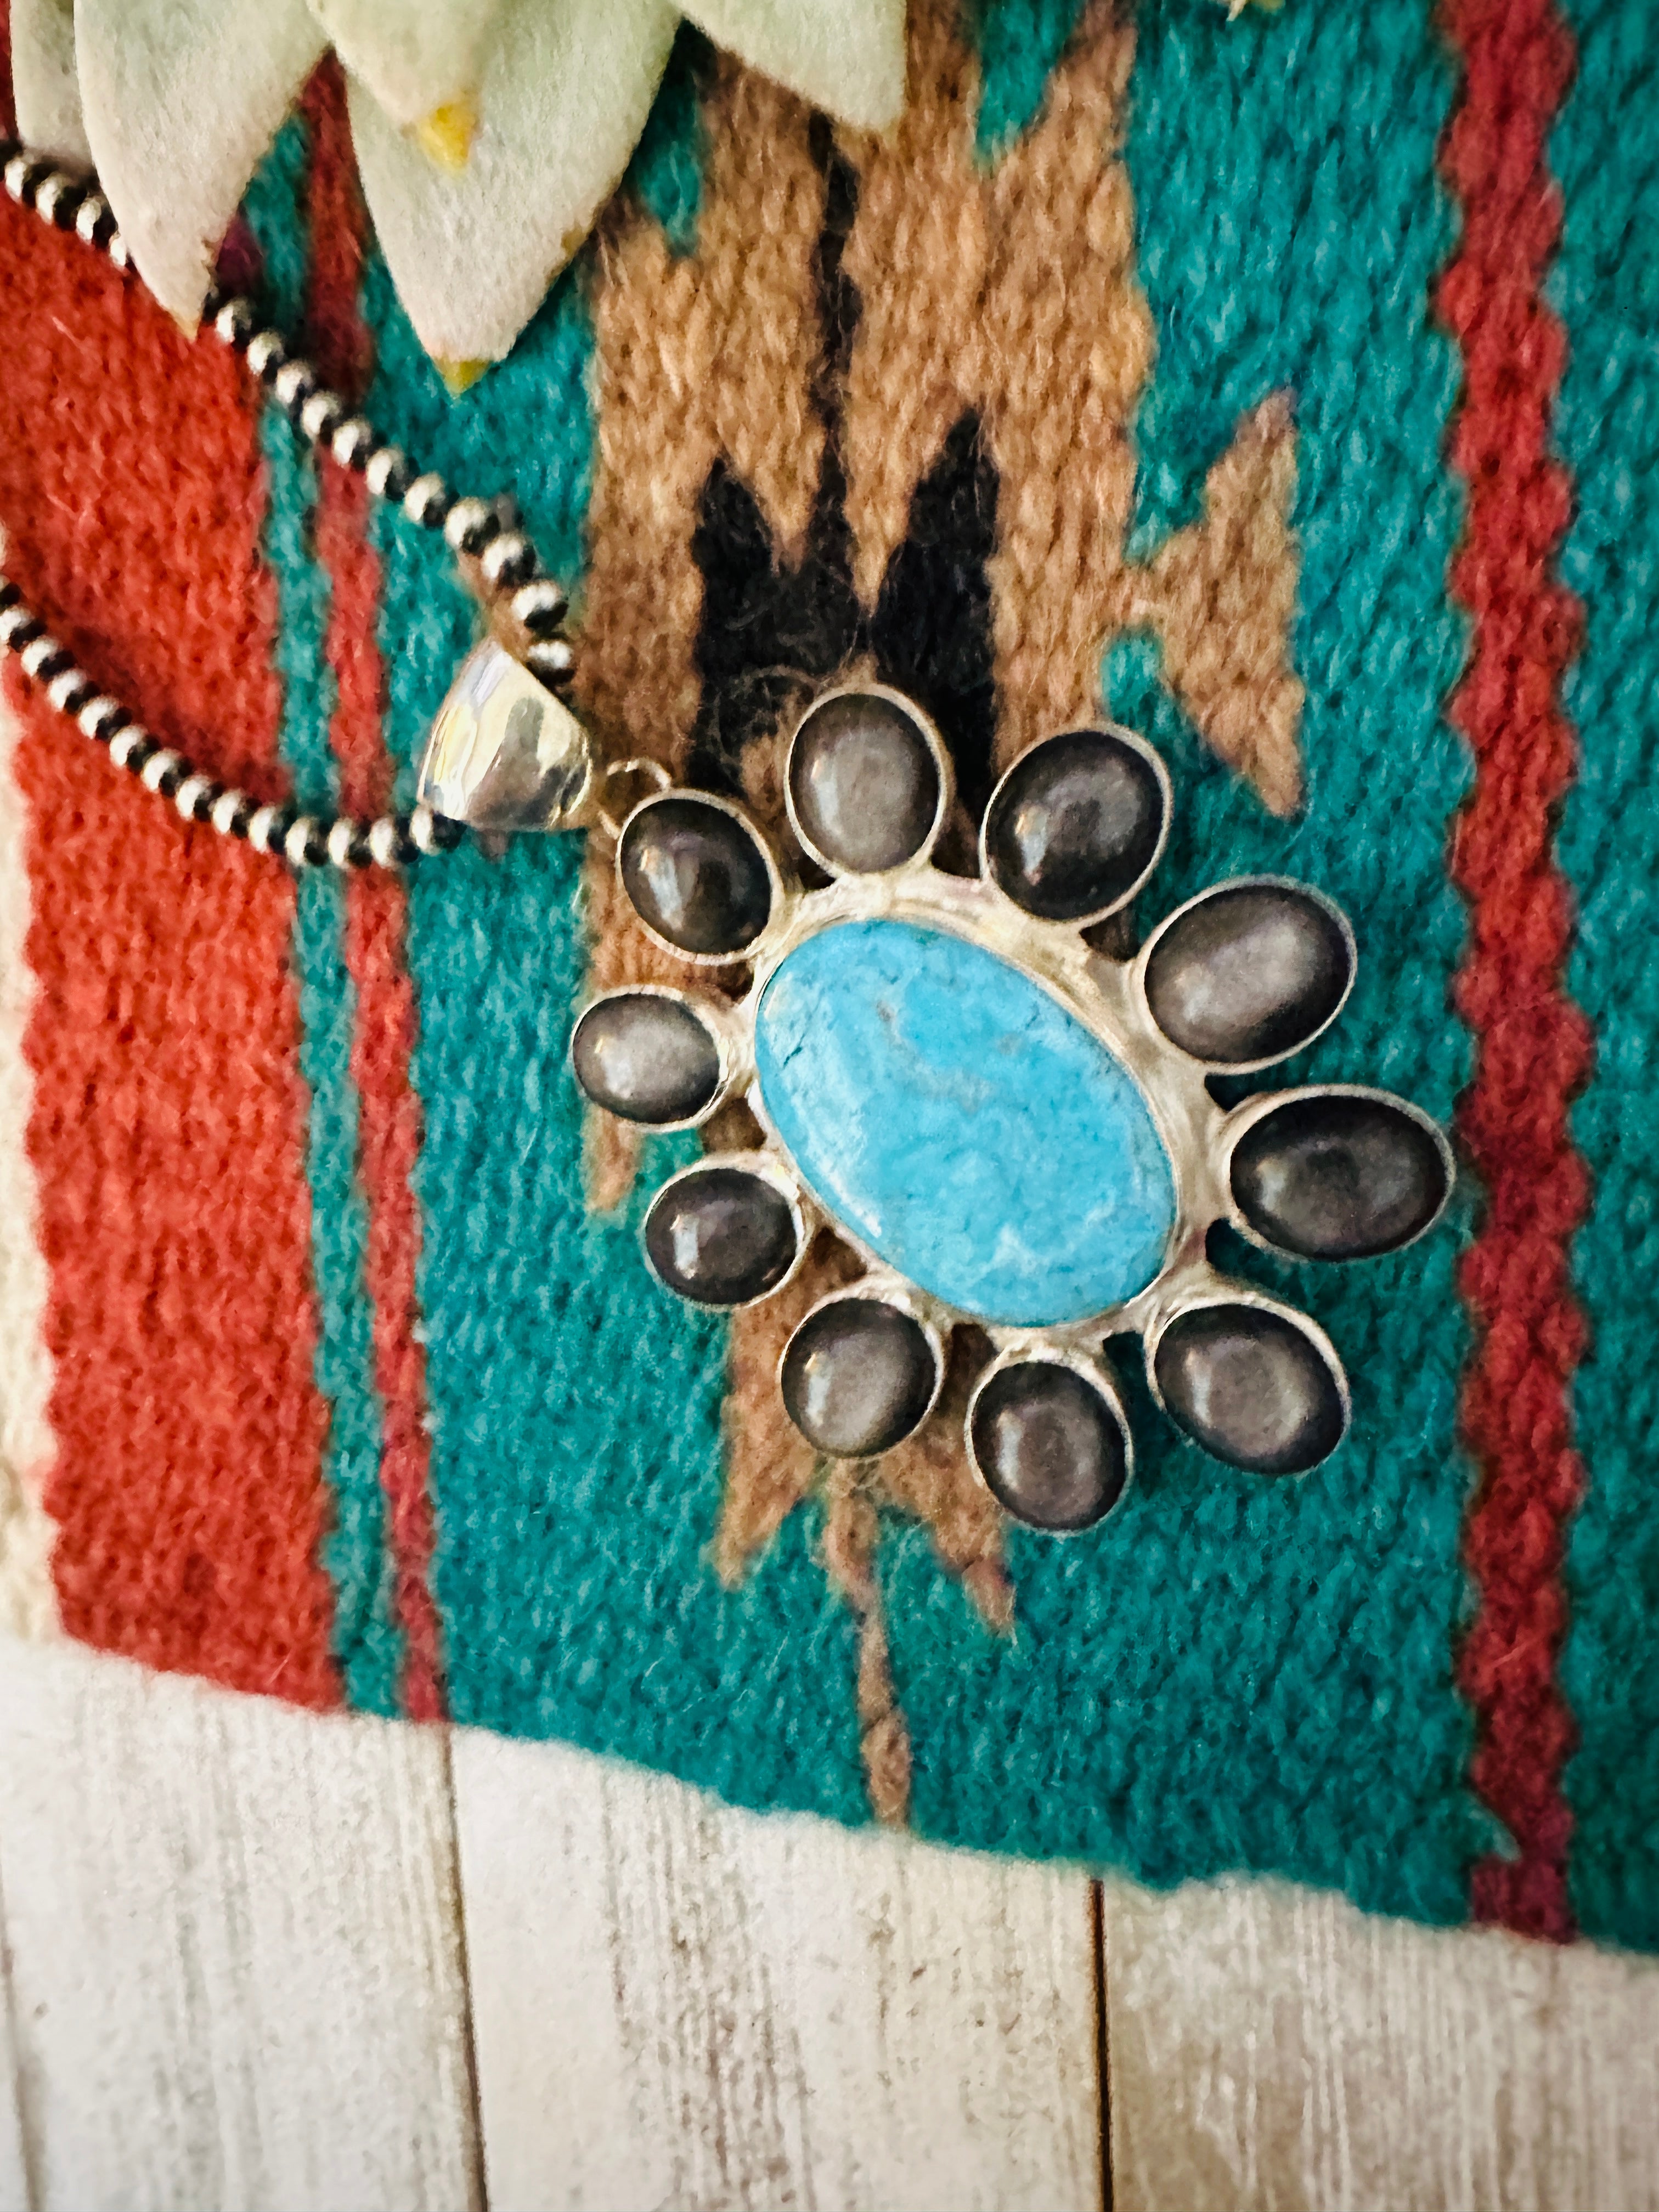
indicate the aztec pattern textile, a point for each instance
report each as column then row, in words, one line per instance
column 1287, row 385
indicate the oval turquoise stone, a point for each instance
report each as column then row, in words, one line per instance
column 963, row 1124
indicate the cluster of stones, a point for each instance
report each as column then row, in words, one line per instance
column 937, row 1087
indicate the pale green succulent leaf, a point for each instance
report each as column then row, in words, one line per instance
column 45, row 92
column 565, row 91
column 413, row 56
column 181, row 98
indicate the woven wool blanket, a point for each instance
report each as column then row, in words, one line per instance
column 1287, row 385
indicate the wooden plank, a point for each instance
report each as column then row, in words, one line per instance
column 14, row 2192
column 233, row 1934
column 26, row 1603
column 1277, row 2049
column 679, row 2004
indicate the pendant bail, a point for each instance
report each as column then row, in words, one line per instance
column 504, row 753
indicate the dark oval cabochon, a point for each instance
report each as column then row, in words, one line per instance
column 645, row 1057
column 1251, row 1387
column 1048, row 1445
column 695, row 874
column 857, row 1375
column 1248, row 974
column 1074, row 825
column 1338, row 1176
column 720, row 1236
column 864, row 782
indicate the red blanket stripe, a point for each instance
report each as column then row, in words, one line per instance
column 168, row 1120
column 376, row 908
column 1533, row 1045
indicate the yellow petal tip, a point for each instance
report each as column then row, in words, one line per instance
column 446, row 136
column 460, row 375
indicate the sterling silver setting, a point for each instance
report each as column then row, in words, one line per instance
column 503, row 753
column 1354, row 1171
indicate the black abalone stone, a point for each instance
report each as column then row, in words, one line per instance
column 645, row 1057
column 1335, row 1176
column 1251, row 1387
column 720, row 1236
column 1248, row 973
column 863, row 782
column 695, row 874
column 1074, row 825
column 1049, row 1445
column 857, row 1376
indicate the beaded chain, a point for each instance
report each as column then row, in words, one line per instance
column 494, row 556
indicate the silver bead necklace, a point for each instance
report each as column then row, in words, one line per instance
column 523, row 601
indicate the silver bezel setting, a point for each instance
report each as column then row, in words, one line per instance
column 781, row 879
column 714, row 1019
column 764, row 1168
column 880, row 1287
column 1095, row 990
column 943, row 766
column 1096, row 1371
column 1136, row 743
column 1309, row 892
column 1245, row 1116
column 1232, row 1293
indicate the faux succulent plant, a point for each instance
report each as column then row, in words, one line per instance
column 488, row 133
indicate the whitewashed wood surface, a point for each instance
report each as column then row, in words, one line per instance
column 251, row 1958
column 1271, row 2047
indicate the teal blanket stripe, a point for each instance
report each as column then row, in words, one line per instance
column 666, row 171
column 575, row 1408
column 1233, row 1672
column 1605, row 152
column 1017, row 42
column 368, row 1642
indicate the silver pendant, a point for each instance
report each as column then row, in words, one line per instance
column 505, row 753
column 1009, row 1128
